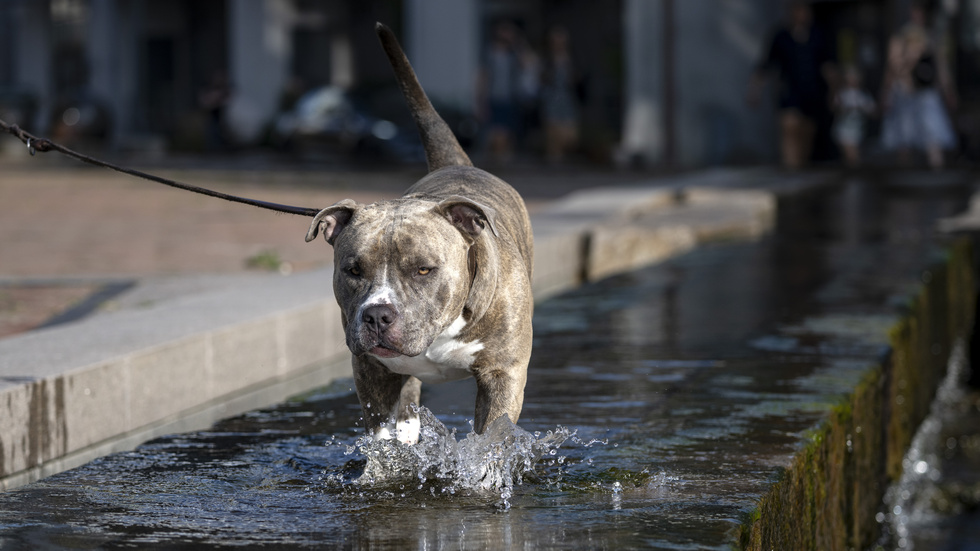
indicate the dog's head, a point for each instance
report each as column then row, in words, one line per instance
column 402, row 269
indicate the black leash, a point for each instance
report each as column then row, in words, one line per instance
column 44, row 145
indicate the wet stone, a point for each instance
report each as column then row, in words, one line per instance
column 661, row 406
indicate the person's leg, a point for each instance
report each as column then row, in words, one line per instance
column 552, row 149
column 796, row 138
column 808, row 134
column 851, row 151
column 499, row 138
column 934, row 155
column 561, row 138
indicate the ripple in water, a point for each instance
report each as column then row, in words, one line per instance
column 492, row 463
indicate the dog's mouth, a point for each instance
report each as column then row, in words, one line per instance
column 383, row 352
column 386, row 346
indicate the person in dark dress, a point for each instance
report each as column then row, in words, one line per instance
column 803, row 59
column 498, row 90
column 214, row 99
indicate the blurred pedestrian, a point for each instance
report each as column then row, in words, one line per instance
column 498, row 89
column 803, row 59
column 291, row 93
column 852, row 107
column 214, row 99
column 915, row 85
column 559, row 109
column 529, row 92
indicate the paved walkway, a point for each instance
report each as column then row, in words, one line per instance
column 66, row 231
column 98, row 223
column 67, row 228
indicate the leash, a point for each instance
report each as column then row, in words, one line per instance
column 35, row 144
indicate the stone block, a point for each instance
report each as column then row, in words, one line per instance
column 604, row 203
column 619, row 248
column 97, row 403
column 333, row 335
column 166, row 380
column 558, row 263
column 243, row 355
column 304, row 336
column 24, row 420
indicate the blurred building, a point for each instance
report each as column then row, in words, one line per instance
column 660, row 80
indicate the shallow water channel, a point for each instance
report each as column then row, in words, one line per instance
column 680, row 391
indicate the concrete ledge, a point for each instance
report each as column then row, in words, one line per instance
column 78, row 387
column 106, row 383
column 966, row 222
column 598, row 233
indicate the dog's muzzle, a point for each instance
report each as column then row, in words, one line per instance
column 377, row 323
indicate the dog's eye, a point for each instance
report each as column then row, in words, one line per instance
column 425, row 271
column 354, row 271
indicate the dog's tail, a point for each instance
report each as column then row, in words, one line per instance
column 441, row 147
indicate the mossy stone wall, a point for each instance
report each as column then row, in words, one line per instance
column 828, row 498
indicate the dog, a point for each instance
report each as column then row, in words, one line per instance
column 434, row 286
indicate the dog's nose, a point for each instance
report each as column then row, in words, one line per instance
column 380, row 317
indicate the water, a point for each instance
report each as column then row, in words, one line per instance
column 660, row 406
column 936, row 503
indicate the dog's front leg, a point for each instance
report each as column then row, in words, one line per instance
column 387, row 399
column 498, row 392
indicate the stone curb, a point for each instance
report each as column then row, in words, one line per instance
column 828, row 497
column 71, row 393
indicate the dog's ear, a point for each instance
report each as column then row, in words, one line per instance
column 469, row 216
column 332, row 220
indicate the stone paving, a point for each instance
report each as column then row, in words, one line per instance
column 89, row 222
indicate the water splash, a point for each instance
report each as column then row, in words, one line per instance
column 490, row 463
column 909, row 503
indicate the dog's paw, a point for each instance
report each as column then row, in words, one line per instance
column 407, row 431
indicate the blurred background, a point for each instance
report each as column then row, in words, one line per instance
column 647, row 83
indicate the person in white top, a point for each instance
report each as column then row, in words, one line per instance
column 852, row 107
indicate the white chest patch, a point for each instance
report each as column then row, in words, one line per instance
column 446, row 359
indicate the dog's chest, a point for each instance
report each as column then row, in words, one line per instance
column 447, row 359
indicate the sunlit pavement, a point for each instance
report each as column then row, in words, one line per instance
column 70, row 230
